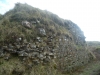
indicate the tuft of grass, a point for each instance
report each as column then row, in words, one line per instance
column 15, row 66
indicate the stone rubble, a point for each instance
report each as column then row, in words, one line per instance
column 33, row 51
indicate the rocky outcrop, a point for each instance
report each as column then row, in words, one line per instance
column 26, row 24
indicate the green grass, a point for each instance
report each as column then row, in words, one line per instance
column 15, row 65
column 92, row 68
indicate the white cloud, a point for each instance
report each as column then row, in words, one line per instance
column 85, row 13
column 4, row 7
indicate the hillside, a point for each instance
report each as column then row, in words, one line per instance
column 93, row 45
column 38, row 42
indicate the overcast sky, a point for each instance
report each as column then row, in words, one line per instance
column 85, row 13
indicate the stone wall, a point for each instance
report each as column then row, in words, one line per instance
column 66, row 50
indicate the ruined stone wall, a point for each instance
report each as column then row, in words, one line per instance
column 67, row 51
